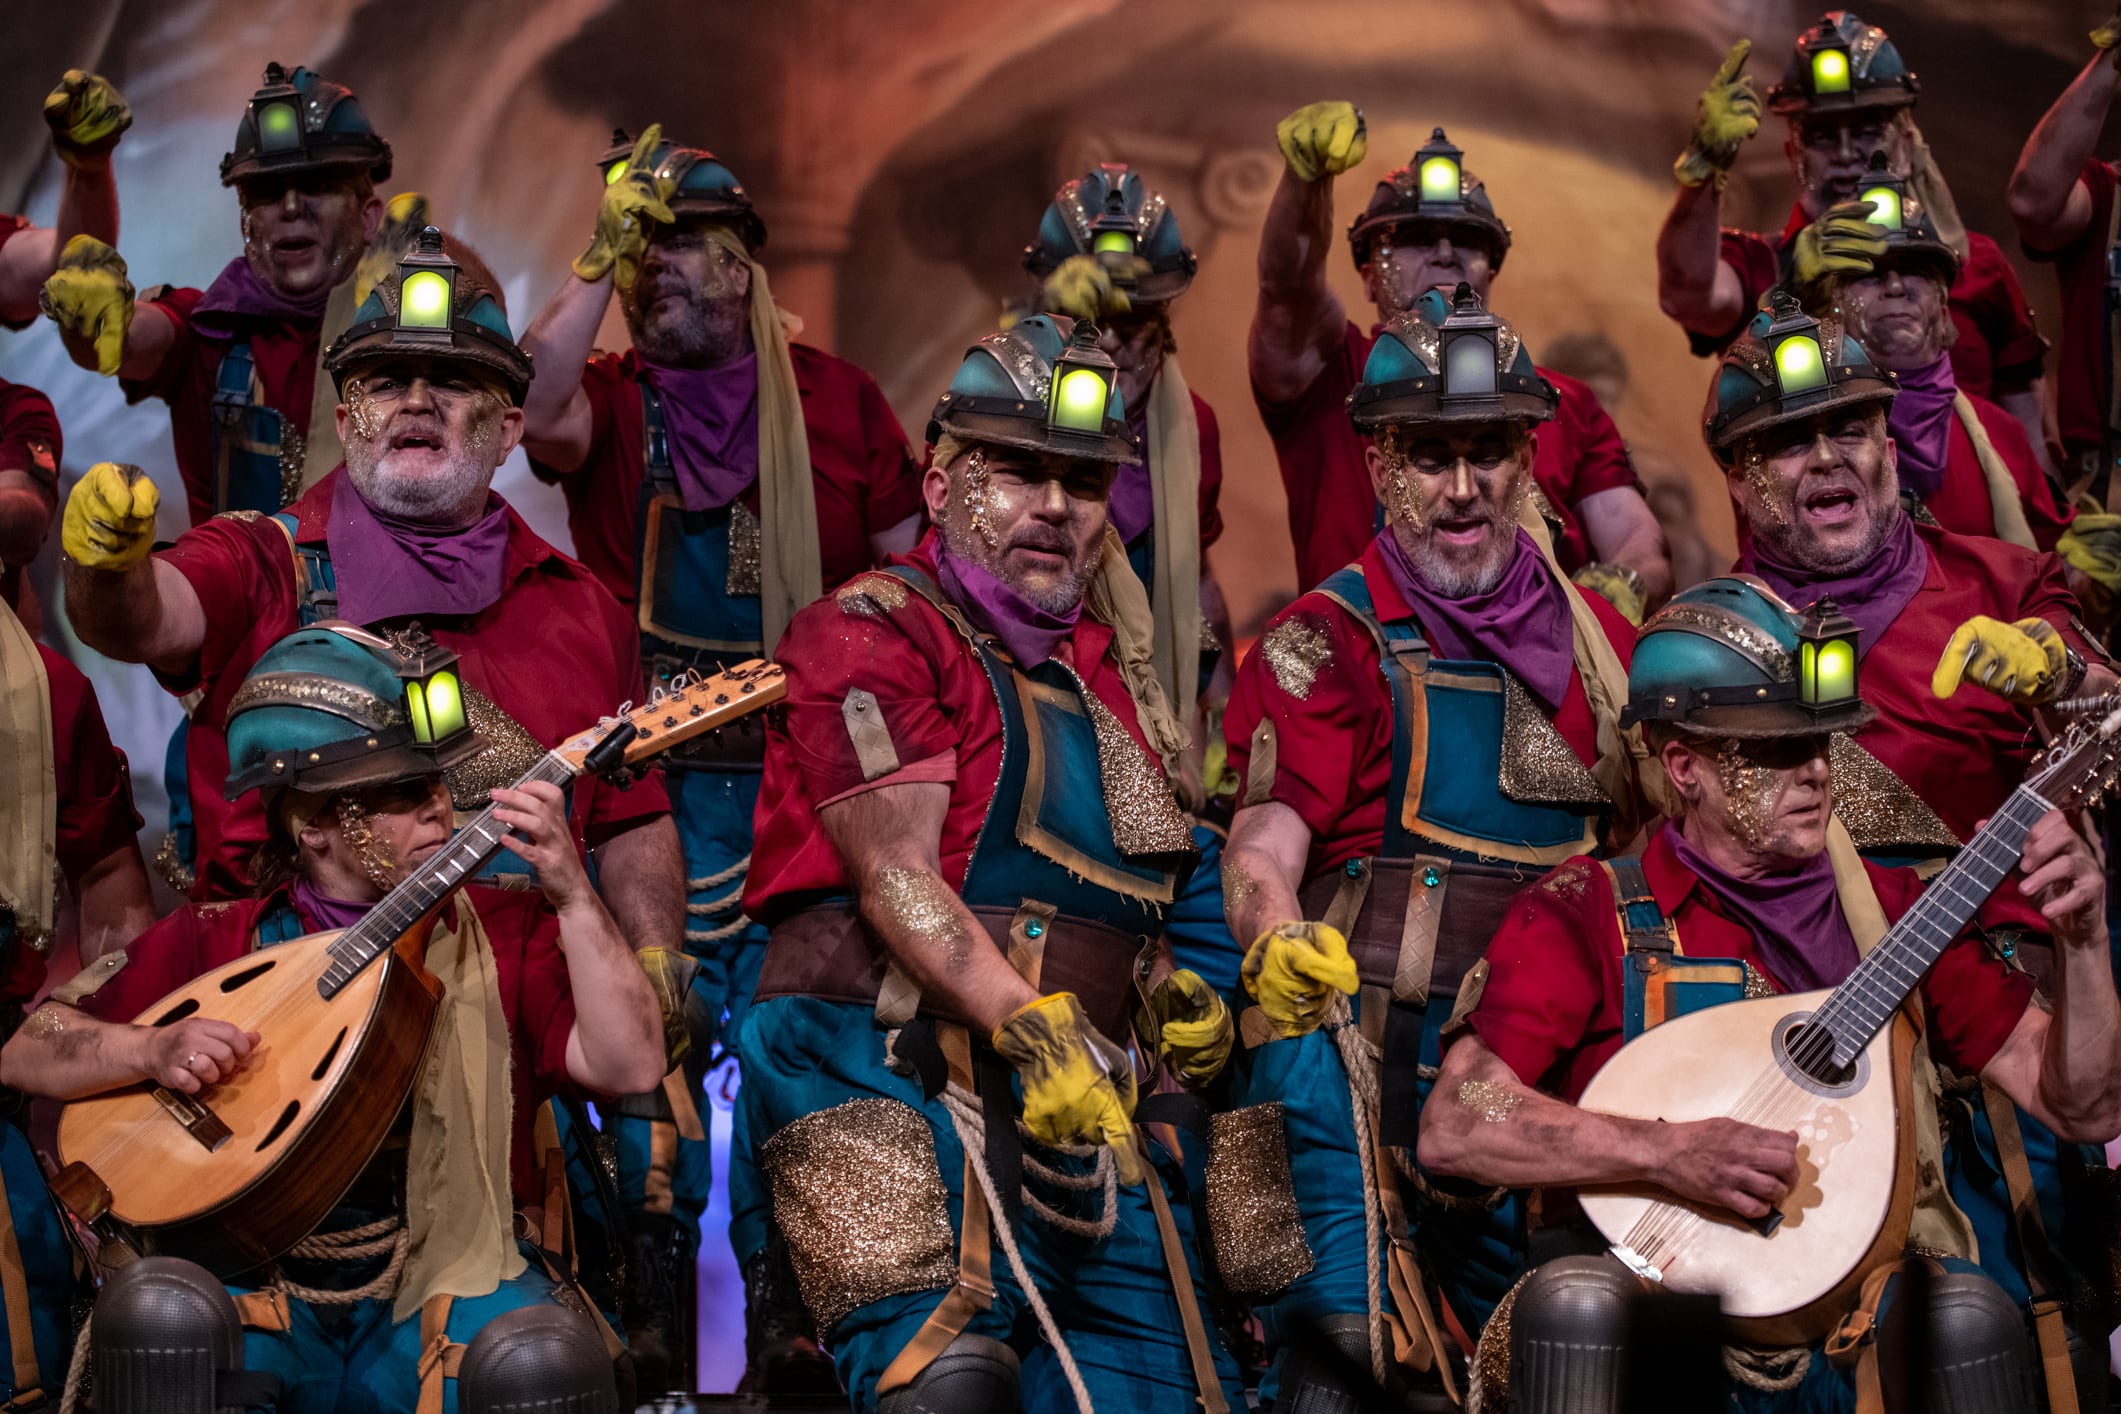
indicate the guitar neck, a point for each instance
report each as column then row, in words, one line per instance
column 382, row 926
column 1862, row 1005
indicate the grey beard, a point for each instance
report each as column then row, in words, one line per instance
column 967, row 544
column 1450, row 580
column 1787, row 544
column 707, row 334
column 451, row 499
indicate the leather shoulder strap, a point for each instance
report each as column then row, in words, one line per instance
column 1643, row 924
column 316, row 584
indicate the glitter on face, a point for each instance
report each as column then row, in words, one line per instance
column 363, row 418
column 1391, row 296
column 919, row 902
column 1491, row 1100
column 1771, row 496
column 1751, row 793
column 358, row 826
column 978, row 497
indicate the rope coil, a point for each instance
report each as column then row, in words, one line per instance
column 353, row 1245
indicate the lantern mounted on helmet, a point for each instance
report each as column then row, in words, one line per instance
column 1082, row 385
column 434, row 695
column 1114, row 238
column 1793, row 342
column 1887, row 194
column 1440, row 172
column 1826, row 659
column 277, row 110
column 1469, row 339
column 427, row 289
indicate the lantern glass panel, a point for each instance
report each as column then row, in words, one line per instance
column 1799, row 365
column 1834, row 679
column 1113, row 242
column 1830, row 71
column 1469, row 367
column 616, row 172
column 1439, row 179
column 423, row 300
column 445, row 705
column 278, row 127
column 1079, row 396
column 416, row 708
column 1885, row 207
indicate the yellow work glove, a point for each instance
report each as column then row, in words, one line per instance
column 2092, row 547
column 1840, row 242
column 110, row 517
column 2021, row 662
column 2108, row 35
column 1293, row 970
column 1727, row 114
column 630, row 204
column 86, row 115
column 403, row 219
column 1082, row 287
column 1322, row 139
column 91, row 300
column 1193, row 1029
column 1618, row 585
column 1078, row 1086
column 670, row 976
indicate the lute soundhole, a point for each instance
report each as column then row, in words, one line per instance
column 1804, row 1050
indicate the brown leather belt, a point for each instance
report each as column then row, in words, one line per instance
column 1475, row 898
column 830, row 953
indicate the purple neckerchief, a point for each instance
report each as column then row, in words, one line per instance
column 1873, row 595
column 711, row 420
column 1131, row 504
column 325, row 911
column 238, row 293
column 1795, row 918
column 1522, row 623
column 1920, row 420
column 1027, row 631
column 387, row 567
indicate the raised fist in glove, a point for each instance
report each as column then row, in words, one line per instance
column 2092, row 547
column 630, row 204
column 1322, row 139
column 110, row 517
column 1292, row 971
column 2108, row 35
column 1193, row 1030
column 2022, row 662
column 1841, row 242
column 86, row 116
column 670, row 975
column 1078, row 1086
column 1727, row 114
column 89, row 297
column 1617, row 585
column 403, row 219
column 1083, row 287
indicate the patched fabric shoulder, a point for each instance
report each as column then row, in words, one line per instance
column 1296, row 649
column 871, row 595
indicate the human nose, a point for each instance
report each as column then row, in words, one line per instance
column 291, row 203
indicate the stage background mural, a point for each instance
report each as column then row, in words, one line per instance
column 901, row 152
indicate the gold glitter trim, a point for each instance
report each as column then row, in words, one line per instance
column 244, row 516
column 173, row 870
column 506, row 751
column 294, row 448
column 1421, row 337
column 858, row 1196
column 1255, row 1230
column 743, row 551
column 1877, row 806
column 1492, row 1101
column 1757, row 984
column 1729, row 629
column 1144, row 814
column 1297, row 649
column 314, row 690
column 871, row 596
column 1538, row 764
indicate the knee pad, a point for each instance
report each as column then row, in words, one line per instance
column 1976, row 1358
column 166, row 1340
column 536, row 1360
column 974, row 1374
column 1326, row 1368
column 1568, row 1337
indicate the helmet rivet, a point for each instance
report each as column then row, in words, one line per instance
column 314, row 758
column 1759, row 692
column 1671, row 701
column 278, row 766
column 371, row 743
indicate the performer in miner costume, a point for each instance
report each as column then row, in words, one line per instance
column 1752, row 890
column 965, row 838
column 719, row 476
column 1419, row 735
column 1109, row 250
column 415, row 1291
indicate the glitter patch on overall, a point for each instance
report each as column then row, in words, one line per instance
column 744, row 531
column 1296, row 650
column 1877, row 806
column 858, row 1195
column 1538, row 764
column 506, row 752
column 871, row 596
column 1255, row 1232
column 1145, row 816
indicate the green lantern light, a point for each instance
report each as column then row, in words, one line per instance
column 424, row 300
column 1439, row 172
column 1799, row 366
column 445, row 704
column 279, row 129
column 1826, row 658
column 1830, row 71
column 427, row 289
column 1887, row 195
column 1082, row 385
column 616, row 172
column 1113, row 243
column 1439, row 180
column 1114, row 238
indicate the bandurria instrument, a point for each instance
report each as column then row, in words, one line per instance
column 235, row 1175
column 1831, row 1065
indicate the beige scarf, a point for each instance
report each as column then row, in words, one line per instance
column 791, row 567
column 1925, row 181
column 1174, row 488
column 29, row 821
column 2003, row 502
column 458, row 1209
column 320, row 446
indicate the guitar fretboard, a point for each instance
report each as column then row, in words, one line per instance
column 1867, row 999
column 382, row 926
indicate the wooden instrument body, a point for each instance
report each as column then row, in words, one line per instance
column 1855, row 1193
column 305, row 1114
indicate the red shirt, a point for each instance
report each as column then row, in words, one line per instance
column 1999, row 349
column 1332, row 509
column 10, row 227
column 29, row 441
column 555, row 652
column 935, row 701
column 1961, row 504
column 1552, row 1006
column 864, row 474
column 1333, row 736
column 528, row 964
column 2081, row 387
column 283, row 356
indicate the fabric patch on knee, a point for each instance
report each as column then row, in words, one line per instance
column 858, row 1195
column 1255, row 1232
